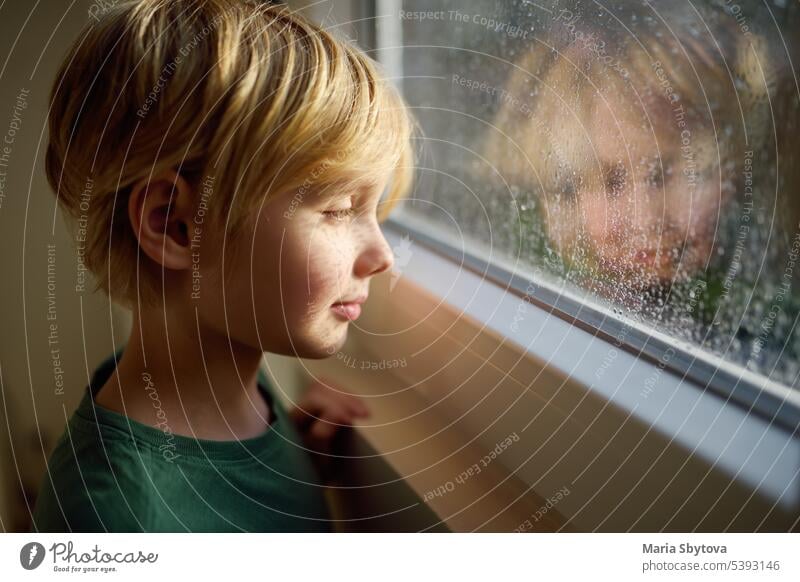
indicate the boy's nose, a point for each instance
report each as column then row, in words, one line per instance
column 377, row 255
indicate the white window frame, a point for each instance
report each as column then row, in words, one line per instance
column 674, row 402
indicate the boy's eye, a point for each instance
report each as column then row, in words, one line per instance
column 341, row 214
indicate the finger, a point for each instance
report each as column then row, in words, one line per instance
column 314, row 402
column 359, row 407
column 327, row 398
column 355, row 407
column 336, row 410
column 322, row 432
column 352, row 402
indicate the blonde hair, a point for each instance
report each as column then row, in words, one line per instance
column 244, row 95
column 641, row 79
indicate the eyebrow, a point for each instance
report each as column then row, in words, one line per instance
column 330, row 191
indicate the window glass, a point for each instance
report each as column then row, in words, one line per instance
column 642, row 153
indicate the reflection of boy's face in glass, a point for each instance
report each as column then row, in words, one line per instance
column 637, row 208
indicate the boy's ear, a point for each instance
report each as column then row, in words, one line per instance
column 160, row 210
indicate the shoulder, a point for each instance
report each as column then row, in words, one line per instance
column 92, row 484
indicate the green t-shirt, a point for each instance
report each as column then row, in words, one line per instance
column 112, row 473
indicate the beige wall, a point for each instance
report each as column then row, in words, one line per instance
column 33, row 43
column 33, row 411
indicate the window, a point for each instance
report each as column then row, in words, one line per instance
column 638, row 158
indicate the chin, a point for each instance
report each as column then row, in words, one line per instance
column 317, row 350
column 320, row 354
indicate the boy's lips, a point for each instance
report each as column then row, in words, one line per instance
column 349, row 309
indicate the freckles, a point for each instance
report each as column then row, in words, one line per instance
column 320, row 274
column 318, row 286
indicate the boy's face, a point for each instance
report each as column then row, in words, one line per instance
column 304, row 252
column 644, row 223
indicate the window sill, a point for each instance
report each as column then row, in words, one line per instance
column 680, row 458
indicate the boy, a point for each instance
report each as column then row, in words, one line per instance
column 235, row 156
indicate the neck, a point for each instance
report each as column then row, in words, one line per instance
column 205, row 383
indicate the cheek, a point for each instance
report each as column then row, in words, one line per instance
column 596, row 215
column 309, row 272
column 328, row 264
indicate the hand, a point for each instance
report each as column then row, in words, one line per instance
column 323, row 412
